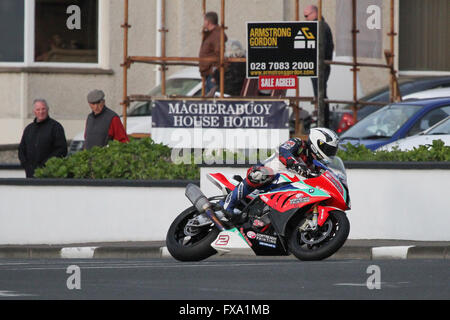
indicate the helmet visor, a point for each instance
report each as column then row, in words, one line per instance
column 330, row 151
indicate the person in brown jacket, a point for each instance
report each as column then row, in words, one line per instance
column 210, row 47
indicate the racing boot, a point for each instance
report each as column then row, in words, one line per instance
column 229, row 205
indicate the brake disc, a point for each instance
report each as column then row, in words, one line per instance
column 315, row 237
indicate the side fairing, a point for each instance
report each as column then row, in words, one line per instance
column 293, row 196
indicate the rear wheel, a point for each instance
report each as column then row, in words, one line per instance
column 190, row 243
column 321, row 243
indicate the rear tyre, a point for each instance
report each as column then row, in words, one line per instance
column 324, row 242
column 193, row 247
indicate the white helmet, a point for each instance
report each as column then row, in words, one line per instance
column 323, row 143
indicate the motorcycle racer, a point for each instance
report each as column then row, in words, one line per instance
column 293, row 155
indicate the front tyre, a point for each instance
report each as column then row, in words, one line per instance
column 188, row 244
column 321, row 243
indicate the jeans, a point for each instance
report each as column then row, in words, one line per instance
column 209, row 84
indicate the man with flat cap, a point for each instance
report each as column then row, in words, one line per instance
column 102, row 124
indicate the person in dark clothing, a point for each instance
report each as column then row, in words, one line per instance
column 311, row 14
column 235, row 72
column 42, row 139
column 102, row 124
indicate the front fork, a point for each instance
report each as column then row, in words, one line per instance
column 320, row 214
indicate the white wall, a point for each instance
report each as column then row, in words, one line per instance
column 79, row 214
column 12, row 173
column 400, row 204
column 387, row 204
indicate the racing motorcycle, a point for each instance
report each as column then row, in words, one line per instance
column 303, row 216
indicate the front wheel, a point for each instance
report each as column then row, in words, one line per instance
column 321, row 243
column 187, row 243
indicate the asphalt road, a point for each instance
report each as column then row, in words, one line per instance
column 225, row 279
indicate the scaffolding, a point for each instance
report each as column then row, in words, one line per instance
column 163, row 61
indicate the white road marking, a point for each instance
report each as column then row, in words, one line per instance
column 383, row 284
column 351, row 284
column 5, row 293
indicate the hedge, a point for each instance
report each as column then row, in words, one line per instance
column 136, row 160
column 144, row 159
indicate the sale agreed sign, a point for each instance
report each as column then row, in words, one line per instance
column 282, row 49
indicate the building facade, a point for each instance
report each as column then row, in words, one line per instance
column 59, row 50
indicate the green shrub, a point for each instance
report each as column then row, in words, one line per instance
column 145, row 159
column 437, row 151
column 138, row 159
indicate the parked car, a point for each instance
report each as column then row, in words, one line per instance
column 440, row 131
column 186, row 82
column 396, row 121
column 342, row 119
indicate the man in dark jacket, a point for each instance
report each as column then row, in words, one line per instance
column 102, row 124
column 42, row 139
column 311, row 14
column 210, row 48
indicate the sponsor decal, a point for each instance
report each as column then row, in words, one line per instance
column 267, row 244
column 258, row 223
column 222, row 240
column 266, row 238
column 299, row 198
column 335, row 182
column 288, row 144
column 245, row 237
column 251, row 235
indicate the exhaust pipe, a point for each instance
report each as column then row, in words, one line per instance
column 202, row 204
column 198, row 199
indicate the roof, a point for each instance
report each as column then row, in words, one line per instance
column 431, row 93
column 426, row 102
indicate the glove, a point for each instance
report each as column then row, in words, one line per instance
column 301, row 169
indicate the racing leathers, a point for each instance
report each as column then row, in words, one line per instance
column 293, row 155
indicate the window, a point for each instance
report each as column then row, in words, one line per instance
column 65, row 31
column 11, row 18
column 442, row 128
column 177, row 87
column 141, row 109
column 424, row 40
column 49, row 32
column 383, row 123
column 430, row 119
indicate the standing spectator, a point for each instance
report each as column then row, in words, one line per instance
column 235, row 72
column 102, row 124
column 42, row 139
column 210, row 47
column 311, row 14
